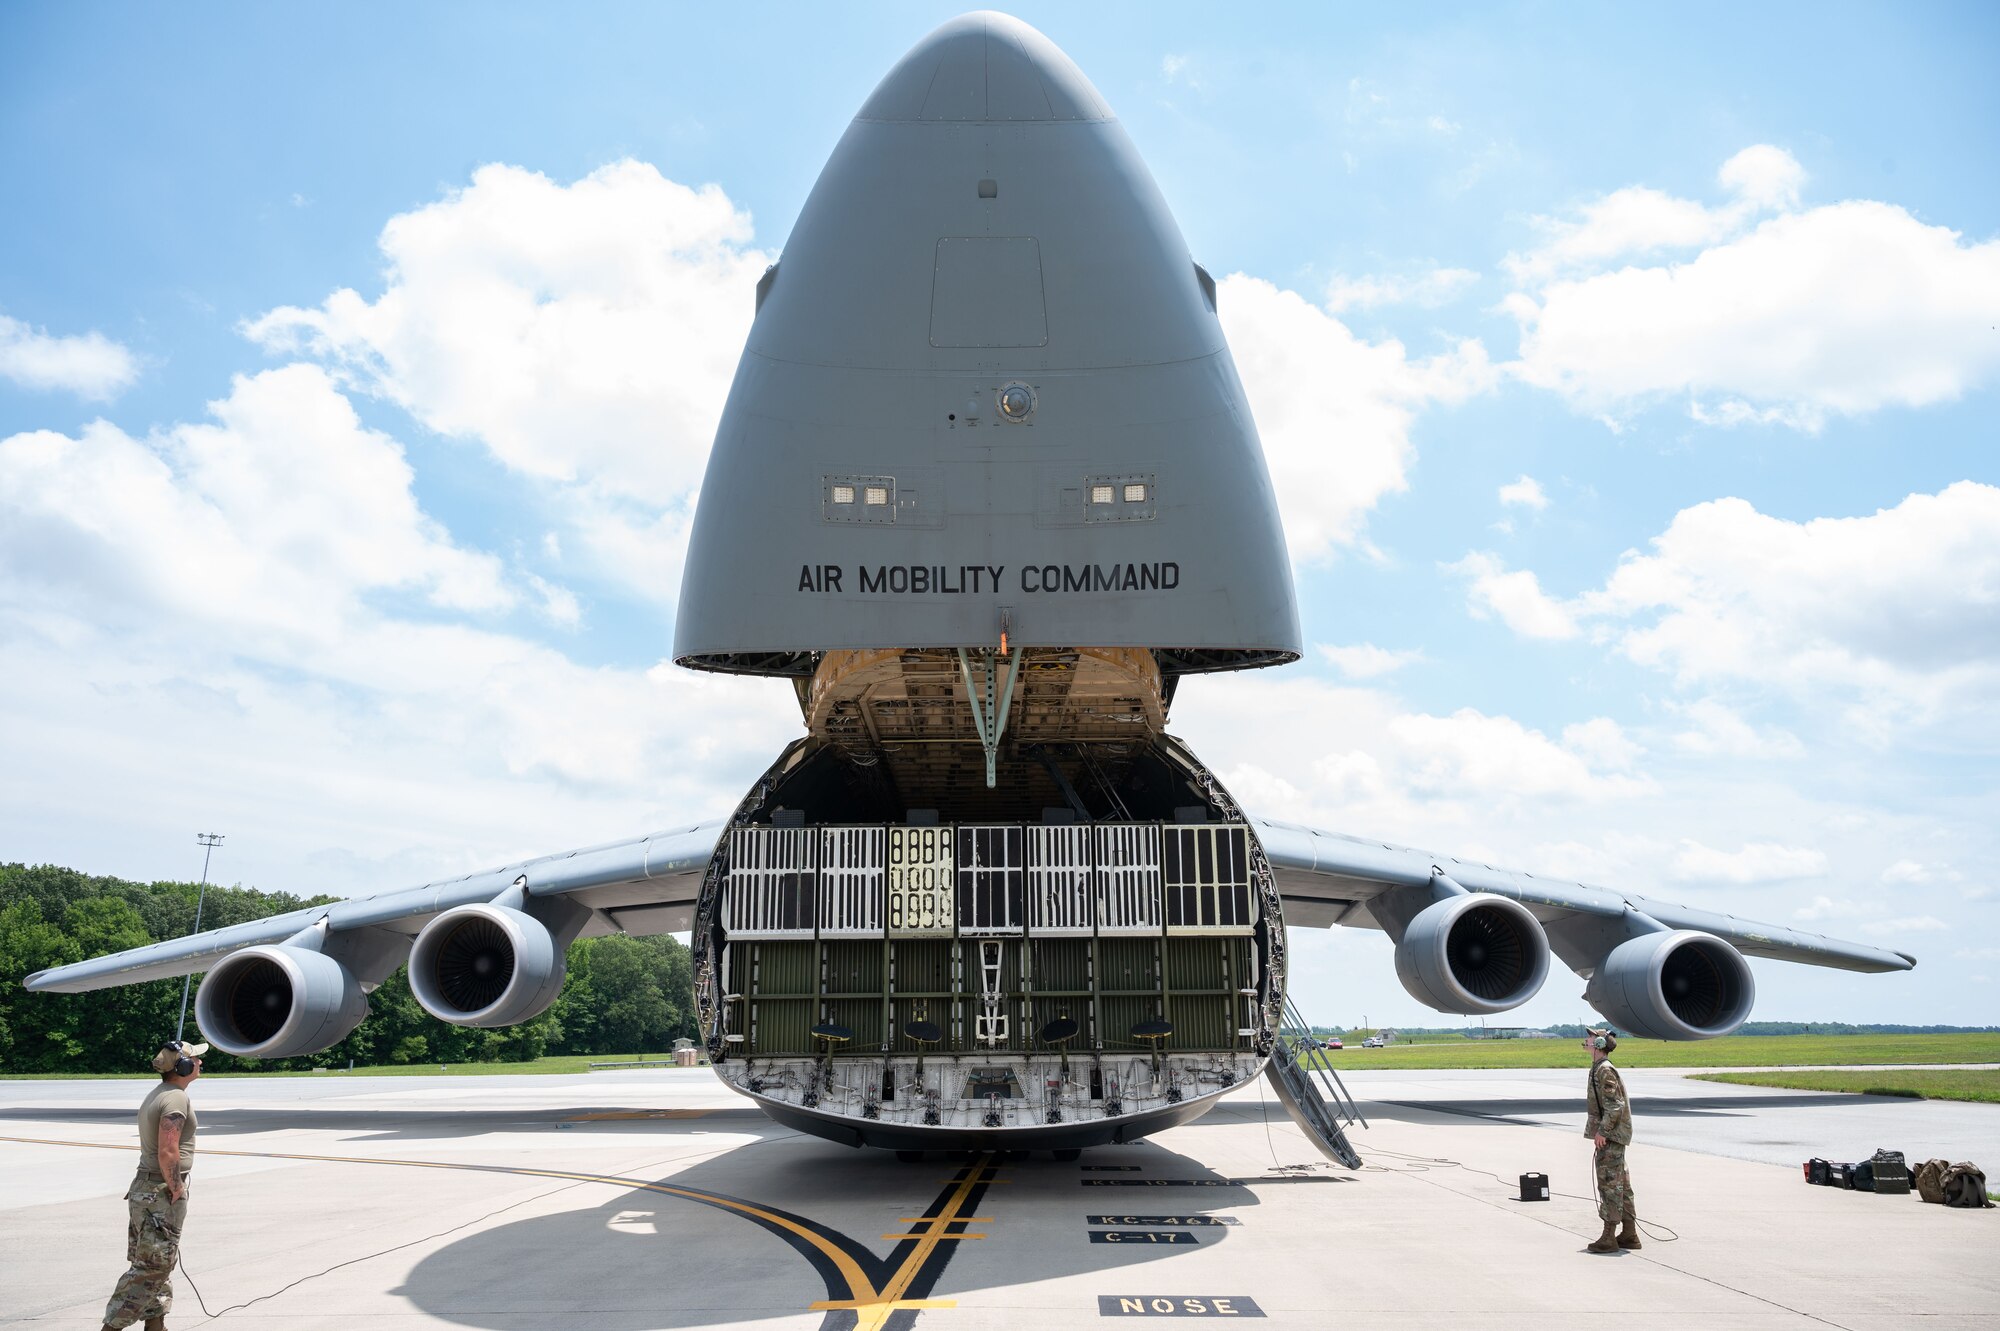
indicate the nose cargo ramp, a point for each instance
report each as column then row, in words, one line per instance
column 1312, row 1092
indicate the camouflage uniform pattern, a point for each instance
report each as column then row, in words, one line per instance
column 152, row 1246
column 1610, row 1115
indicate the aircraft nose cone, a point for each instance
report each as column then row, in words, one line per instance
column 985, row 67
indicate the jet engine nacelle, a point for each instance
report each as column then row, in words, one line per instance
column 1473, row 953
column 276, row 1001
column 1676, row 985
column 486, row 965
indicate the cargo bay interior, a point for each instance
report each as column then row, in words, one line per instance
column 885, row 935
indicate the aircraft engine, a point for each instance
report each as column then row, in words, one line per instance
column 1473, row 953
column 274, row 1001
column 1678, row 985
column 486, row 965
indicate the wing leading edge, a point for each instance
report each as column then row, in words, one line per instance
column 642, row 886
column 1330, row 878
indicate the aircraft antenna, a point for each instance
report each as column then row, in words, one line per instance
column 209, row 841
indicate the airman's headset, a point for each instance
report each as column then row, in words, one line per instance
column 183, row 1062
column 1605, row 1042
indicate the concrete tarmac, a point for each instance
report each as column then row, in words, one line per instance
column 629, row 1201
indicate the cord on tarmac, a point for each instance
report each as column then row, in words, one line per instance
column 1422, row 1164
column 476, row 1220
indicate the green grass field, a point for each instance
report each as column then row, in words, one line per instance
column 1979, row 1084
column 1729, row 1051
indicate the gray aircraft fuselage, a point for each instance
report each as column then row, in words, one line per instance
column 985, row 487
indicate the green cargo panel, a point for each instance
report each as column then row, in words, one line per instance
column 1201, row 1021
column 1127, row 963
column 1198, row 964
column 1120, row 1015
column 1059, row 965
column 863, row 1016
column 781, row 1026
column 922, row 966
column 783, row 967
column 854, row 966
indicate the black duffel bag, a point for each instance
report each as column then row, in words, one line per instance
column 1891, row 1172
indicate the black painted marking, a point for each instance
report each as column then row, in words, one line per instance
column 1140, row 1236
column 1162, row 1220
column 1114, row 1169
column 1177, row 1305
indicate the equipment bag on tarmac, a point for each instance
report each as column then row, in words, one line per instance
column 1818, row 1172
column 1930, row 1180
column 1861, row 1176
column 1891, row 1171
column 1964, row 1184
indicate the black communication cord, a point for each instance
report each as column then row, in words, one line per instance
column 1423, row 1164
column 181, row 1262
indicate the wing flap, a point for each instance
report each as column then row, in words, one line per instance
column 1313, row 867
column 663, row 862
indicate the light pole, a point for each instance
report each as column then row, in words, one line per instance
column 209, row 841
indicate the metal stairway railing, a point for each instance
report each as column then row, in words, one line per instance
column 1312, row 1092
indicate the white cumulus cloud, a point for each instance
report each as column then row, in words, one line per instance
column 279, row 516
column 1754, row 862
column 1334, row 410
column 254, row 613
column 1779, row 315
column 1526, row 493
column 90, row 365
column 1907, row 924
column 1897, row 611
column 1515, row 596
column 1427, row 289
column 1366, row 660
column 585, row 331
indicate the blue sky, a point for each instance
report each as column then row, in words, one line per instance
column 1630, row 377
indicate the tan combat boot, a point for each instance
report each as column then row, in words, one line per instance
column 1628, row 1237
column 1605, row 1242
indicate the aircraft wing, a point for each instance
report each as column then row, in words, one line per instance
column 646, row 885
column 1328, row 878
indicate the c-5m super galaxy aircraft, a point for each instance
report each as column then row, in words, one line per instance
column 985, row 494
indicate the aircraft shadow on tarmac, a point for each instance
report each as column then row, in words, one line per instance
column 379, row 1124
column 651, row 1259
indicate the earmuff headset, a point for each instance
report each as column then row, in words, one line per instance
column 1599, row 1042
column 183, row 1064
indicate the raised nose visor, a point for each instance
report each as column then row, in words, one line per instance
column 986, row 392
column 1041, row 985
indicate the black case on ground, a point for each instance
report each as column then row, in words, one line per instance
column 1891, row 1173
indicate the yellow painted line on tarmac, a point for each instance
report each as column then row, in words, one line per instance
column 874, row 1318
column 857, row 1280
column 872, row 1307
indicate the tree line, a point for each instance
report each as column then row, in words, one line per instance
column 622, row 995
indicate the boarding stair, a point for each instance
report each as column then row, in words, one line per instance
column 1312, row 1091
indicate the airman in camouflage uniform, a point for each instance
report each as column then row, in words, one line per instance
column 1608, row 1123
column 157, row 1199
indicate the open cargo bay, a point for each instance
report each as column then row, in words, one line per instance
column 991, row 933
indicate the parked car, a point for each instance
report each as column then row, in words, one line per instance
column 1373, row 1042
column 1334, row 1043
